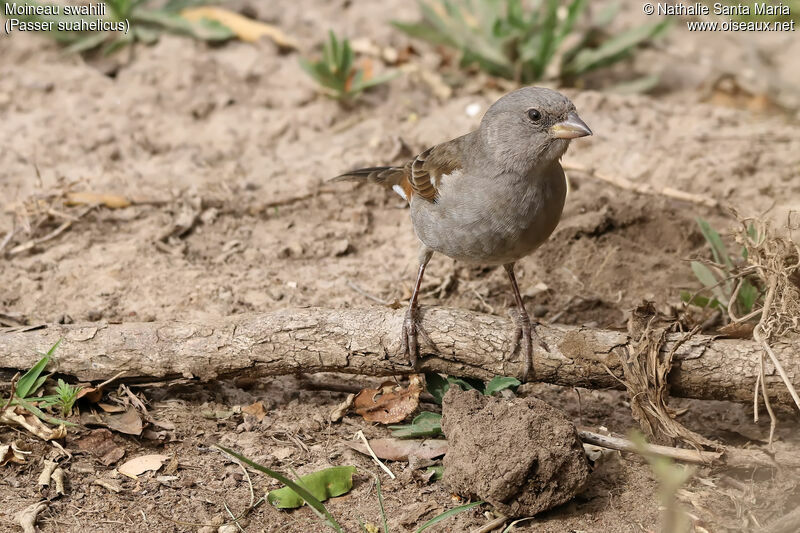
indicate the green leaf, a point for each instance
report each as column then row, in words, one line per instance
column 707, row 278
column 752, row 232
column 145, row 35
column 614, row 49
column 718, row 248
column 747, row 297
column 438, row 472
column 309, row 498
column 499, row 383
column 203, row 29
column 425, row 424
column 118, row 44
column 448, row 514
column 467, row 383
column 436, row 385
column 323, row 484
column 89, row 42
column 30, row 382
column 424, row 31
column 698, row 300
column 640, row 85
column 372, row 82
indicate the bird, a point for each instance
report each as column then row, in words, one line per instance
column 490, row 197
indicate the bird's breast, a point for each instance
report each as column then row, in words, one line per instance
column 491, row 220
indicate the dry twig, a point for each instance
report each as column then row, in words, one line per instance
column 642, row 188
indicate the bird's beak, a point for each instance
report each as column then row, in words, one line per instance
column 572, row 128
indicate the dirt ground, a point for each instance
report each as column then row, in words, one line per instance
column 236, row 138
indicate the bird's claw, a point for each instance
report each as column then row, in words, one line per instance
column 523, row 340
column 408, row 339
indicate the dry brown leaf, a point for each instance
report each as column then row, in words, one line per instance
column 110, row 407
column 245, row 28
column 129, row 422
column 10, row 453
column 340, row 410
column 738, row 330
column 101, row 443
column 18, row 416
column 149, row 434
column 400, row 449
column 390, row 403
column 255, row 409
column 26, row 518
column 144, row 463
column 282, row 453
column 47, row 473
column 114, row 201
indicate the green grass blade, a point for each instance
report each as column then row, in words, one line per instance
column 448, row 514
column 614, row 49
column 29, row 382
column 747, row 297
column 576, row 7
column 547, row 37
column 718, row 248
column 41, row 415
column 424, row 31
column 380, row 503
column 89, row 42
column 346, row 62
column 303, row 493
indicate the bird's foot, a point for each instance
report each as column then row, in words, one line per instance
column 524, row 336
column 408, row 339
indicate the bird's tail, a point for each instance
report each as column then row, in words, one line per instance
column 395, row 178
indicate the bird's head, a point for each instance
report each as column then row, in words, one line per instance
column 530, row 127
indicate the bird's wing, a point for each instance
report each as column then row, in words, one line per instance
column 420, row 177
column 429, row 167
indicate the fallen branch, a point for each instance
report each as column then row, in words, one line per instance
column 624, row 445
column 366, row 341
column 642, row 188
column 733, row 457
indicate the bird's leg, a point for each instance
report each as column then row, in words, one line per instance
column 411, row 326
column 524, row 335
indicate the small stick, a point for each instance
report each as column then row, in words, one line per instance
column 225, row 504
column 642, row 188
column 249, row 482
column 758, row 335
column 365, row 294
column 33, row 242
column 8, row 237
column 773, row 421
column 372, row 453
column 624, row 445
column 497, row 523
column 108, row 485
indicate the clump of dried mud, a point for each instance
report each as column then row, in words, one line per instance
column 520, row 455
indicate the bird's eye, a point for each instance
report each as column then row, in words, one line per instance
column 534, row 115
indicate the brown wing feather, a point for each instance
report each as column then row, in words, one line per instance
column 431, row 165
column 419, row 177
